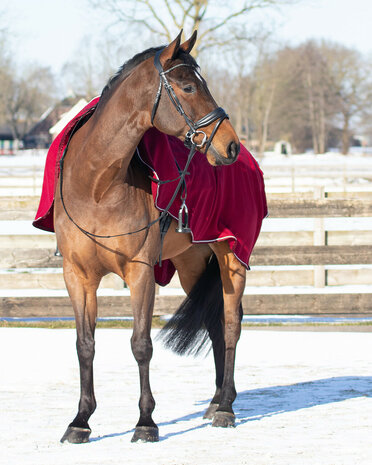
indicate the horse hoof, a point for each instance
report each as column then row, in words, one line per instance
column 223, row 420
column 146, row 434
column 210, row 412
column 76, row 435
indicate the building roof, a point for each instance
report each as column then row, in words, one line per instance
column 67, row 116
column 51, row 116
column 6, row 132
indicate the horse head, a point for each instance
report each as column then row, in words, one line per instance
column 190, row 112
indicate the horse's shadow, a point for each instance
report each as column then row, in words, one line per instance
column 266, row 402
column 255, row 404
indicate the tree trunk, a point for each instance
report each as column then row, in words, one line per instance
column 314, row 131
column 265, row 121
column 322, row 127
column 345, row 135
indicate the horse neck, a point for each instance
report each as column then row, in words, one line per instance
column 107, row 143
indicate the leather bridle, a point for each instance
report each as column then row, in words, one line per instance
column 217, row 114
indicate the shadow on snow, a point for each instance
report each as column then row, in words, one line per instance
column 259, row 403
column 255, row 404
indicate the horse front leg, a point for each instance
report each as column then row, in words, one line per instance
column 233, row 282
column 142, row 290
column 83, row 296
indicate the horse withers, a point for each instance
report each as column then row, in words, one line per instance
column 106, row 221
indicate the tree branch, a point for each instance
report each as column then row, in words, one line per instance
column 156, row 17
column 173, row 16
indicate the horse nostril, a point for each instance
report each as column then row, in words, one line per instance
column 233, row 150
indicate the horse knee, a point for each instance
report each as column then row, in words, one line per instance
column 85, row 349
column 142, row 349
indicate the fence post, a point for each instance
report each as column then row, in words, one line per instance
column 319, row 239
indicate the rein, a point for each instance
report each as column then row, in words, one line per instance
column 218, row 114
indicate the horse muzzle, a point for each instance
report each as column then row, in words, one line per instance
column 230, row 156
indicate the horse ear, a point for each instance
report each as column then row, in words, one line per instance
column 189, row 44
column 170, row 52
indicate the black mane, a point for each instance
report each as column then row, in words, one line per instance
column 132, row 63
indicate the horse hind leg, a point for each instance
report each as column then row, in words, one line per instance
column 82, row 292
column 191, row 265
column 233, row 282
column 216, row 335
column 218, row 345
column 213, row 303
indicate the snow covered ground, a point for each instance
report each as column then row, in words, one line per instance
column 303, row 398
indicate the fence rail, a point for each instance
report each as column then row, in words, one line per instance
column 335, row 304
column 261, row 256
column 280, row 206
column 21, row 255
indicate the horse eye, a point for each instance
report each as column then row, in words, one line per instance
column 189, row 89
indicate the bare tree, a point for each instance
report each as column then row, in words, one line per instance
column 25, row 93
column 305, row 108
column 81, row 75
column 92, row 63
column 25, row 97
column 352, row 84
column 5, row 73
column 164, row 18
column 263, row 94
column 316, row 80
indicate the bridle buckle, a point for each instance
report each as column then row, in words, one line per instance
column 196, row 133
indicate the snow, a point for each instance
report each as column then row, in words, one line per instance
column 304, row 398
column 31, row 158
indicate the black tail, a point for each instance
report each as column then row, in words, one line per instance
column 199, row 314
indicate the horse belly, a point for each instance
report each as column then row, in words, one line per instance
column 175, row 243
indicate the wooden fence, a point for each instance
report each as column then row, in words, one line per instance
column 285, row 176
column 282, row 259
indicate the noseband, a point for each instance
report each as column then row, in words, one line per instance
column 217, row 114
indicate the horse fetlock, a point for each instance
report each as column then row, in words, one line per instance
column 87, row 406
column 81, row 419
column 210, row 412
column 146, row 405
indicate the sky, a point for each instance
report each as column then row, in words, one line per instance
column 48, row 31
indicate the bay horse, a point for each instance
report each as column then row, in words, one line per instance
column 105, row 195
